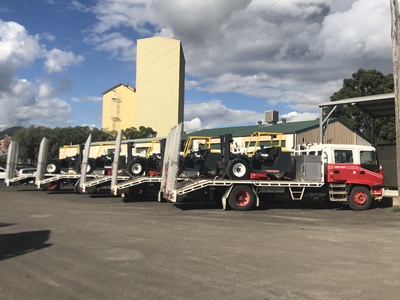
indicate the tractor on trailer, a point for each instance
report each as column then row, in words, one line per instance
column 341, row 173
column 263, row 158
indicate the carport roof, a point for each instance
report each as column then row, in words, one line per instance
column 377, row 106
column 240, row 131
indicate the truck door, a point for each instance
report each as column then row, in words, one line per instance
column 343, row 168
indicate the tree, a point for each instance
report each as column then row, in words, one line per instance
column 29, row 138
column 366, row 83
column 143, row 132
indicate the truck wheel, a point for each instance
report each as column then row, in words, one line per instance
column 138, row 191
column 242, row 197
column 91, row 190
column 136, row 167
column 53, row 167
column 53, row 187
column 360, row 198
column 238, row 168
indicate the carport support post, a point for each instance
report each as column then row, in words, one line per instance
column 396, row 70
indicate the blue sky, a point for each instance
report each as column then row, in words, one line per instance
column 243, row 57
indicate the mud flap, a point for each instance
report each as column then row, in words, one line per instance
column 225, row 196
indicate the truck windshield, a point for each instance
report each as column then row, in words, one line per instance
column 369, row 160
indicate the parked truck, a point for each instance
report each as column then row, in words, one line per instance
column 342, row 173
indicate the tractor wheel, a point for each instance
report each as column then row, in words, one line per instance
column 242, row 197
column 360, row 198
column 238, row 168
column 136, row 167
column 53, row 167
column 89, row 167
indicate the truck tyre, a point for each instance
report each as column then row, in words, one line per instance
column 360, row 198
column 238, row 168
column 136, row 167
column 140, row 190
column 52, row 188
column 91, row 190
column 53, row 167
column 242, row 198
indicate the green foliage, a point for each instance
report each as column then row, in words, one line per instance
column 29, row 138
column 366, row 83
column 10, row 131
column 3, row 160
column 133, row 133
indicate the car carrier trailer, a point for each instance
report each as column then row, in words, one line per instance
column 120, row 185
column 89, row 183
column 341, row 173
column 126, row 183
column 133, row 185
column 55, row 181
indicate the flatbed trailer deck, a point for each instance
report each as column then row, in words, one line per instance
column 296, row 189
column 127, row 185
column 124, row 187
column 54, row 181
column 23, row 179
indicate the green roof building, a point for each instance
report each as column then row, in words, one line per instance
column 293, row 133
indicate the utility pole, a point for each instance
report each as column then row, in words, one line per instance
column 396, row 72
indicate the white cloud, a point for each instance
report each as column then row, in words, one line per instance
column 27, row 103
column 46, row 90
column 48, row 36
column 57, row 60
column 17, row 47
column 291, row 53
column 192, row 125
column 213, row 114
column 87, row 99
column 43, row 112
column 295, row 116
column 76, row 5
column 118, row 46
column 23, row 101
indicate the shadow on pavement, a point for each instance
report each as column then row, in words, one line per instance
column 280, row 204
column 15, row 244
column 6, row 224
column 265, row 205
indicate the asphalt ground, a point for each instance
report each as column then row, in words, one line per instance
column 61, row 245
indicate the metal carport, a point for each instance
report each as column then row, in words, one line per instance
column 377, row 106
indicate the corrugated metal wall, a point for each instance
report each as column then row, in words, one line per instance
column 335, row 133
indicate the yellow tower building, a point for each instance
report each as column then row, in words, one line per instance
column 160, row 79
column 119, row 105
column 158, row 99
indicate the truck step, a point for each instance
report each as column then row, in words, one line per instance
column 337, row 192
column 296, row 193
